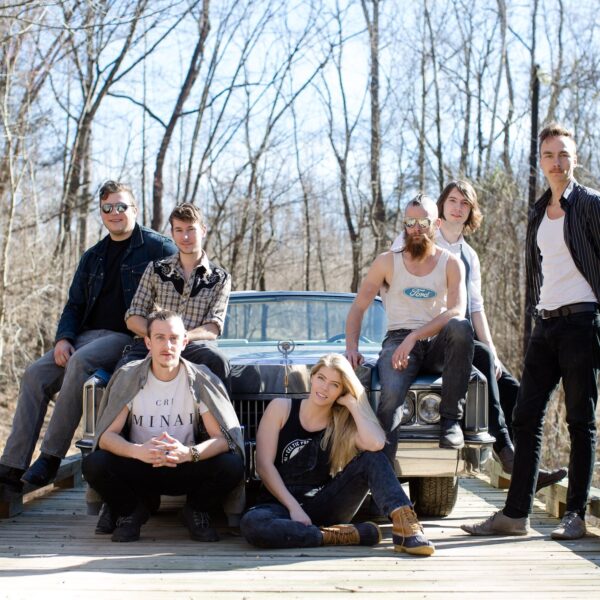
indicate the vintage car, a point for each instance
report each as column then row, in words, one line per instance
column 273, row 339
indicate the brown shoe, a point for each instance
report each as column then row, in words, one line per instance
column 408, row 534
column 546, row 478
column 361, row 534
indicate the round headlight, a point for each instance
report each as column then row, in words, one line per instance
column 428, row 409
column 408, row 409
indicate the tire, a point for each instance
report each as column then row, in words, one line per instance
column 434, row 496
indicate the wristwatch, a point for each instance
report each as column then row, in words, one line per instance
column 194, row 453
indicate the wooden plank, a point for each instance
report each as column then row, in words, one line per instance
column 68, row 476
column 51, row 549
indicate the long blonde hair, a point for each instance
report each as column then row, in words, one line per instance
column 341, row 431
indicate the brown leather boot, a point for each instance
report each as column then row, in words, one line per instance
column 361, row 534
column 407, row 533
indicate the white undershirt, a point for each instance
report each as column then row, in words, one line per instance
column 562, row 282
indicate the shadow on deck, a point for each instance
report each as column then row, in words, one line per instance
column 51, row 548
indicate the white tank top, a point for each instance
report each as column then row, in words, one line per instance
column 562, row 282
column 413, row 300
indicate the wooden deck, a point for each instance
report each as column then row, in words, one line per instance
column 50, row 549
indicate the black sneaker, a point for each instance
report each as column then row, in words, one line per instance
column 42, row 471
column 128, row 527
column 198, row 524
column 107, row 522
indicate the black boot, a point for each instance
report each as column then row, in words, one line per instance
column 43, row 470
column 10, row 480
column 451, row 435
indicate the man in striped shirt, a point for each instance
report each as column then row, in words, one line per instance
column 563, row 278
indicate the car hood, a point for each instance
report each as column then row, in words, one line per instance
column 263, row 369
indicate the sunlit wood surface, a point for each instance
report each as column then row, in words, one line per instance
column 50, row 550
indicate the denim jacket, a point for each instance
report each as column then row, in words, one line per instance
column 145, row 246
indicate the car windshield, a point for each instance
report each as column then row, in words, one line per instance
column 309, row 319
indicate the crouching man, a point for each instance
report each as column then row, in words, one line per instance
column 153, row 415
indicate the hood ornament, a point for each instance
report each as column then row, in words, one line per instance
column 286, row 347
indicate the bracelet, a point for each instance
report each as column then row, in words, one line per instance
column 194, row 453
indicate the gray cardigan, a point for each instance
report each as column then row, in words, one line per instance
column 204, row 386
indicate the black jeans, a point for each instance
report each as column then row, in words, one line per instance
column 567, row 347
column 123, row 482
column 483, row 359
column 450, row 353
column 270, row 526
column 205, row 352
column 508, row 386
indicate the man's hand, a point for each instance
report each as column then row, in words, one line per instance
column 175, row 452
column 497, row 367
column 355, row 358
column 62, row 352
column 152, row 452
column 401, row 355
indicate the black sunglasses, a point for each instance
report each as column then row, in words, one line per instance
column 120, row 207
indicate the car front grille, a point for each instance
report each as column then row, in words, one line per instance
column 249, row 412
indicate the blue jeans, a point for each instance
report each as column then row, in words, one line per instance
column 94, row 349
column 450, row 352
column 270, row 526
column 568, row 348
column 123, row 482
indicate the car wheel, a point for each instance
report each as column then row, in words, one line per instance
column 434, row 496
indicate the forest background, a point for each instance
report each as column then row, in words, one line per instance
column 300, row 127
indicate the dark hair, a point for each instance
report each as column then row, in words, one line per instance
column 114, row 187
column 468, row 191
column 555, row 130
column 187, row 212
column 161, row 314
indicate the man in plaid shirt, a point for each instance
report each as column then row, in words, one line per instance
column 189, row 284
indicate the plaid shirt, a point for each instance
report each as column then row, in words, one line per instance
column 200, row 300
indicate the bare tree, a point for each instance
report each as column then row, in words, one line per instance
column 190, row 78
column 377, row 212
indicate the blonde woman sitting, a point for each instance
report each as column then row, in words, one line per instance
column 318, row 457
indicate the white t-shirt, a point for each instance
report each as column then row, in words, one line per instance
column 562, row 282
column 164, row 406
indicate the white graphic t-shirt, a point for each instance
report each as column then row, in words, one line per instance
column 164, row 406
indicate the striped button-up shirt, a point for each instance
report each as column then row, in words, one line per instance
column 582, row 237
column 200, row 300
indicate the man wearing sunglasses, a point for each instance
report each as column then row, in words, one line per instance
column 423, row 290
column 91, row 335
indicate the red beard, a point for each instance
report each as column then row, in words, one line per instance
column 418, row 246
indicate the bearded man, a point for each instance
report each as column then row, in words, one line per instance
column 424, row 294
